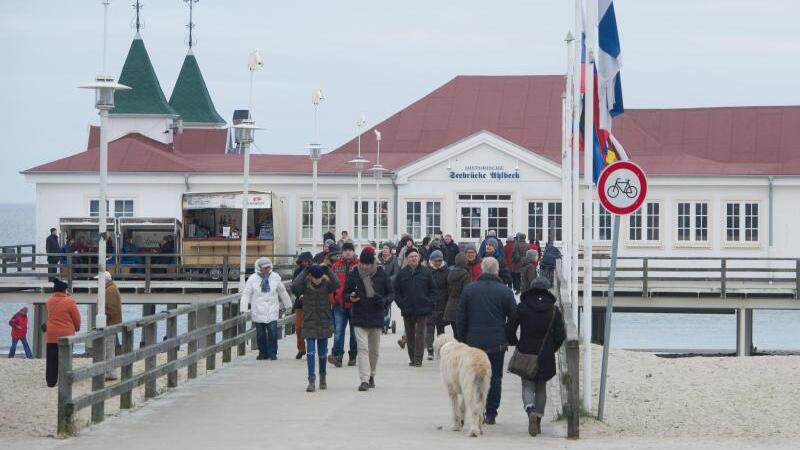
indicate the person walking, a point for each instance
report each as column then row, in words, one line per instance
column 414, row 293
column 368, row 288
column 528, row 271
column 517, row 257
column 494, row 250
column 342, row 309
column 19, row 332
column 457, row 278
column 406, row 243
column 473, row 262
column 483, row 311
column 53, row 250
column 314, row 285
column 303, row 260
column 391, row 267
column 541, row 333
column 266, row 296
column 435, row 326
column 491, row 234
column 449, row 250
column 63, row 319
column 508, row 254
column 548, row 261
column 113, row 317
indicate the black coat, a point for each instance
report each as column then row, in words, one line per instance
column 414, row 291
column 368, row 312
column 440, row 290
column 449, row 251
column 532, row 316
column 483, row 311
column 317, row 314
column 51, row 246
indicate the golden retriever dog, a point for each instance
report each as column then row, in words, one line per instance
column 466, row 372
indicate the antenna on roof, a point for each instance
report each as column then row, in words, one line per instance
column 139, row 23
column 190, row 25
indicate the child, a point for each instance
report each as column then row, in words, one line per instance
column 19, row 332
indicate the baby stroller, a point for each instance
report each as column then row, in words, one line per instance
column 388, row 323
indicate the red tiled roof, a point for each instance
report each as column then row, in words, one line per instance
column 525, row 110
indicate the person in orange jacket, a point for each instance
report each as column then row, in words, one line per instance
column 63, row 319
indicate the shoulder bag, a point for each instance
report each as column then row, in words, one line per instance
column 526, row 365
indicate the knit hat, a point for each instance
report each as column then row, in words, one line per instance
column 461, row 260
column 492, row 242
column 59, row 286
column 305, row 256
column 436, row 255
column 411, row 250
column 348, row 246
column 540, row 282
column 470, row 247
column 367, row 255
column 334, row 250
column 330, row 242
column 316, row 271
column 531, row 255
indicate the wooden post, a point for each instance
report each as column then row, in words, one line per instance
column 723, row 288
column 19, row 258
column 126, row 399
column 149, row 333
column 172, row 355
column 191, row 325
column 211, row 339
column 39, row 317
column 98, row 381
column 225, row 272
column 241, row 349
column 65, row 411
column 70, row 271
column 645, row 284
column 147, row 273
column 573, row 390
column 147, row 310
column 226, row 334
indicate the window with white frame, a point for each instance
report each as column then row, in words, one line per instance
column 645, row 222
column 307, row 220
column 423, row 218
column 328, row 214
column 361, row 219
column 544, row 220
column 601, row 222
column 692, row 221
column 114, row 208
column 369, row 221
column 381, row 220
column 741, row 222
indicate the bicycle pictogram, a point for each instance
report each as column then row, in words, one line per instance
column 624, row 186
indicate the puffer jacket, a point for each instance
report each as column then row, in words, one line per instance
column 341, row 269
column 532, row 316
column 483, row 311
column 439, row 291
column 317, row 314
column 457, row 279
column 265, row 306
column 368, row 312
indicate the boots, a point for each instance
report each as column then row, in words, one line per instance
column 351, row 361
column 372, row 382
column 336, row 360
column 323, row 384
column 311, row 387
column 402, row 342
column 534, row 424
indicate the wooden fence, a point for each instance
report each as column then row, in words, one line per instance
column 200, row 340
column 568, row 354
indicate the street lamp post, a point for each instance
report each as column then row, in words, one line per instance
column 244, row 133
column 360, row 162
column 377, row 172
column 104, row 87
column 315, row 153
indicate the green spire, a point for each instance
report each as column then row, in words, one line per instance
column 146, row 96
column 190, row 97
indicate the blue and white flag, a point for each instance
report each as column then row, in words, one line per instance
column 609, row 88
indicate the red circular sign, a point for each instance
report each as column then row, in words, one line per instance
column 622, row 187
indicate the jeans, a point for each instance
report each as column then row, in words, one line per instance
column 25, row 346
column 341, row 319
column 369, row 342
column 312, row 347
column 534, row 396
column 51, row 368
column 267, row 339
column 495, row 387
column 416, row 327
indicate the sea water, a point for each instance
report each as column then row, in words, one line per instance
column 772, row 330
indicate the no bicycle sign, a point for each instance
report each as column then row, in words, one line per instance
column 622, row 187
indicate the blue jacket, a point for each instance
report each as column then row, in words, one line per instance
column 483, row 311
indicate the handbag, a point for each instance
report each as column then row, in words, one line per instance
column 526, row 365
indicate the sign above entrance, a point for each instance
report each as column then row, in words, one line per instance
column 622, row 187
column 499, row 173
column 255, row 200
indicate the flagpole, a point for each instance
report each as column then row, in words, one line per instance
column 588, row 143
column 575, row 170
column 566, row 167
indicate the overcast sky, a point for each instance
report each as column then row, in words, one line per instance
column 369, row 56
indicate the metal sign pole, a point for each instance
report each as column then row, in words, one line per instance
column 612, row 274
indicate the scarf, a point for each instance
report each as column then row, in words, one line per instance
column 366, row 278
column 264, row 281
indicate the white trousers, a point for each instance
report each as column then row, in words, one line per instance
column 368, row 341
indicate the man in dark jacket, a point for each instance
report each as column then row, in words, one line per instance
column 368, row 288
column 414, row 293
column 549, row 257
column 435, row 326
column 494, row 250
column 535, row 315
column 53, row 249
column 449, row 250
column 483, row 311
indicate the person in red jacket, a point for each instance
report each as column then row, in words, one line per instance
column 63, row 319
column 508, row 253
column 473, row 262
column 342, row 308
column 19, row 332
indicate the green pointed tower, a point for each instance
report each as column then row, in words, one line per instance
column 146, row 96
column 191, row 99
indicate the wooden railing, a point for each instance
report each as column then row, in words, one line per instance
column 568, row 369
column 200, row 340
column 14, row 258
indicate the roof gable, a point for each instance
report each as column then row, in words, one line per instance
column 190, row 97
column 145, row 96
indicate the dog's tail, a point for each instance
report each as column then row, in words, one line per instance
column 483, row 378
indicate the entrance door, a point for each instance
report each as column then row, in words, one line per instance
column 476, row 216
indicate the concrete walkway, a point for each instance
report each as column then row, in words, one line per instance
column 263, row 404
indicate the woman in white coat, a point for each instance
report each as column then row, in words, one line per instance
column 265, row 295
